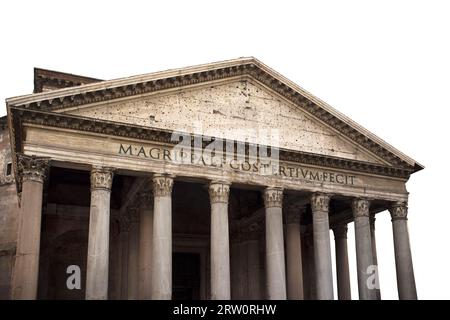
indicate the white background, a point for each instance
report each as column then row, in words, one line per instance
column 385, row 64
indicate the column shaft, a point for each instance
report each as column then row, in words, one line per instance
column 374, row 256
column 133, row 256
column 342, row 267
column 26, row 267
column 145, row 244
column 220, row 251
column 234, row 268
column 98, row 245
column 406, row 283
column 124, row 245
column 115, row 264
column 322, row 249
column 294, row 254
column 253, row 268
column 309, row 270
column 242, row 285
column 162, row 238
column 275, row 265
column 363, row 243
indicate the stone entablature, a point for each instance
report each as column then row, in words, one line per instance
column 239, row 69
column 92, row 149
column 21, row 117
column 325, row 184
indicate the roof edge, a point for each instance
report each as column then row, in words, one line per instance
column 286, row 85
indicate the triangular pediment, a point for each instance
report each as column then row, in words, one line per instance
column 222, row 97
column 240, row 110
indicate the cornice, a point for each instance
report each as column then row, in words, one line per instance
column 57, row 80
column 127, row 87
column 18, row 116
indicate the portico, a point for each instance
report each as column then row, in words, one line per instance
column 89, row 164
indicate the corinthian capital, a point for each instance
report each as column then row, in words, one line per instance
column 399, row 211
column 273, row 197
column 124, row 223
column 360, row 208
column 162, row 185
column 101, row 178
column 293, row 213
column 320, row 202
column 340, row 231
column 372, row 222
column 32, row 168
column 133, row 212
column 146, row 198
column 219, row 191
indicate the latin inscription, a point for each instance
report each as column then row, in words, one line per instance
column 257, row 167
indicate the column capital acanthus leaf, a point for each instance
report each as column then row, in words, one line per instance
column 340, row 231
column 219, row 192
column 399, row 211
column 162, row 185
column 101, row 178
column 360, row 207
column 294, row 213
column 273, row 197
column 320, row 202
column 32, row 168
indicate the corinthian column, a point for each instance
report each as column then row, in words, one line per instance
column 220, row 244
column 124, row 240
column 133, row 254
column 363, row 242
column 406, row 283
column 145, row 244
column 251, row 241
column 322, row 249
column 32, row 172
column 294, row 253
column 275, row 266
column 162, row 238
column 98, row 245
column 374, row 255
column 342, row 268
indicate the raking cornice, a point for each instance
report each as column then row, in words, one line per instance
column 137, row 85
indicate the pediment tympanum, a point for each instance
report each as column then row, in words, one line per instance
column 239, row 110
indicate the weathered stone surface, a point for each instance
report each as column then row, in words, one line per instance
column 95, row 149
column 162, row 238
column 275, row 259
column 330, row 157
column 220, row 243
column 363, row 241
column 235, row 110
column 98, row 246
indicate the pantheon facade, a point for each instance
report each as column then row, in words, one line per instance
column 217, row 181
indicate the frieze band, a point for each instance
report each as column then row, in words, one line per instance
column 249, row 68
column 257, row 166
column 76, row 123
